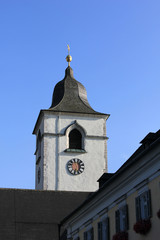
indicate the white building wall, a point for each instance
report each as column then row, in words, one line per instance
column 56, row 175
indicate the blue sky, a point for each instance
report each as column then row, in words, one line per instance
column 115, row 46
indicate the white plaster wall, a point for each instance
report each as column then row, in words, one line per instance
column 94, row 163
column 40, row 127
column 50, row 123
column 56, row 175
column 50, row 160
column 93, row 125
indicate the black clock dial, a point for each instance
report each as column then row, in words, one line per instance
column 75, row 166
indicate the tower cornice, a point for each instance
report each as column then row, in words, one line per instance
column 51, row 112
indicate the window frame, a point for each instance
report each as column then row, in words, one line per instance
column 82, row 131
column 103, row 225
column 140, row 204
column 121, row 219
column 89, row 234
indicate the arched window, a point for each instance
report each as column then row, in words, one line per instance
column 75, row 139
column 75, row 136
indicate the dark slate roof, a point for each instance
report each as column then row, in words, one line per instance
column 70, row 96
column 104, row 178
column 150, row 137
column 35, row 215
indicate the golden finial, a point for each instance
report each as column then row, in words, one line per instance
column 68, row 58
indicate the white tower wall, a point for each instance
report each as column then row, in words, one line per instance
column 54, row 158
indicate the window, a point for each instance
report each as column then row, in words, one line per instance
column 103, row 229
column 89, row 235
column 121, row 216
column 75, row 139
column 75, row 136
column 143, row 206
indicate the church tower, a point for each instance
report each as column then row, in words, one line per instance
column 71, row 142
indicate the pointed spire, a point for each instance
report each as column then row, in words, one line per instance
column 69, row 57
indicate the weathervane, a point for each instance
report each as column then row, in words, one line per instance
column 68, row 49
column 68, row 58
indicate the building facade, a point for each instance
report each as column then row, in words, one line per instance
column 127, row 204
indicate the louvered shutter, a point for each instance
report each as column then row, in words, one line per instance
column 100, row 231
column 117, row 219
column 149, row 203
column 138, row 209
column 126, row 217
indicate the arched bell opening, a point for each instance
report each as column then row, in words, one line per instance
column 75, row 139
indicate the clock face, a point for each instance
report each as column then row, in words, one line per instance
column 75, row 166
